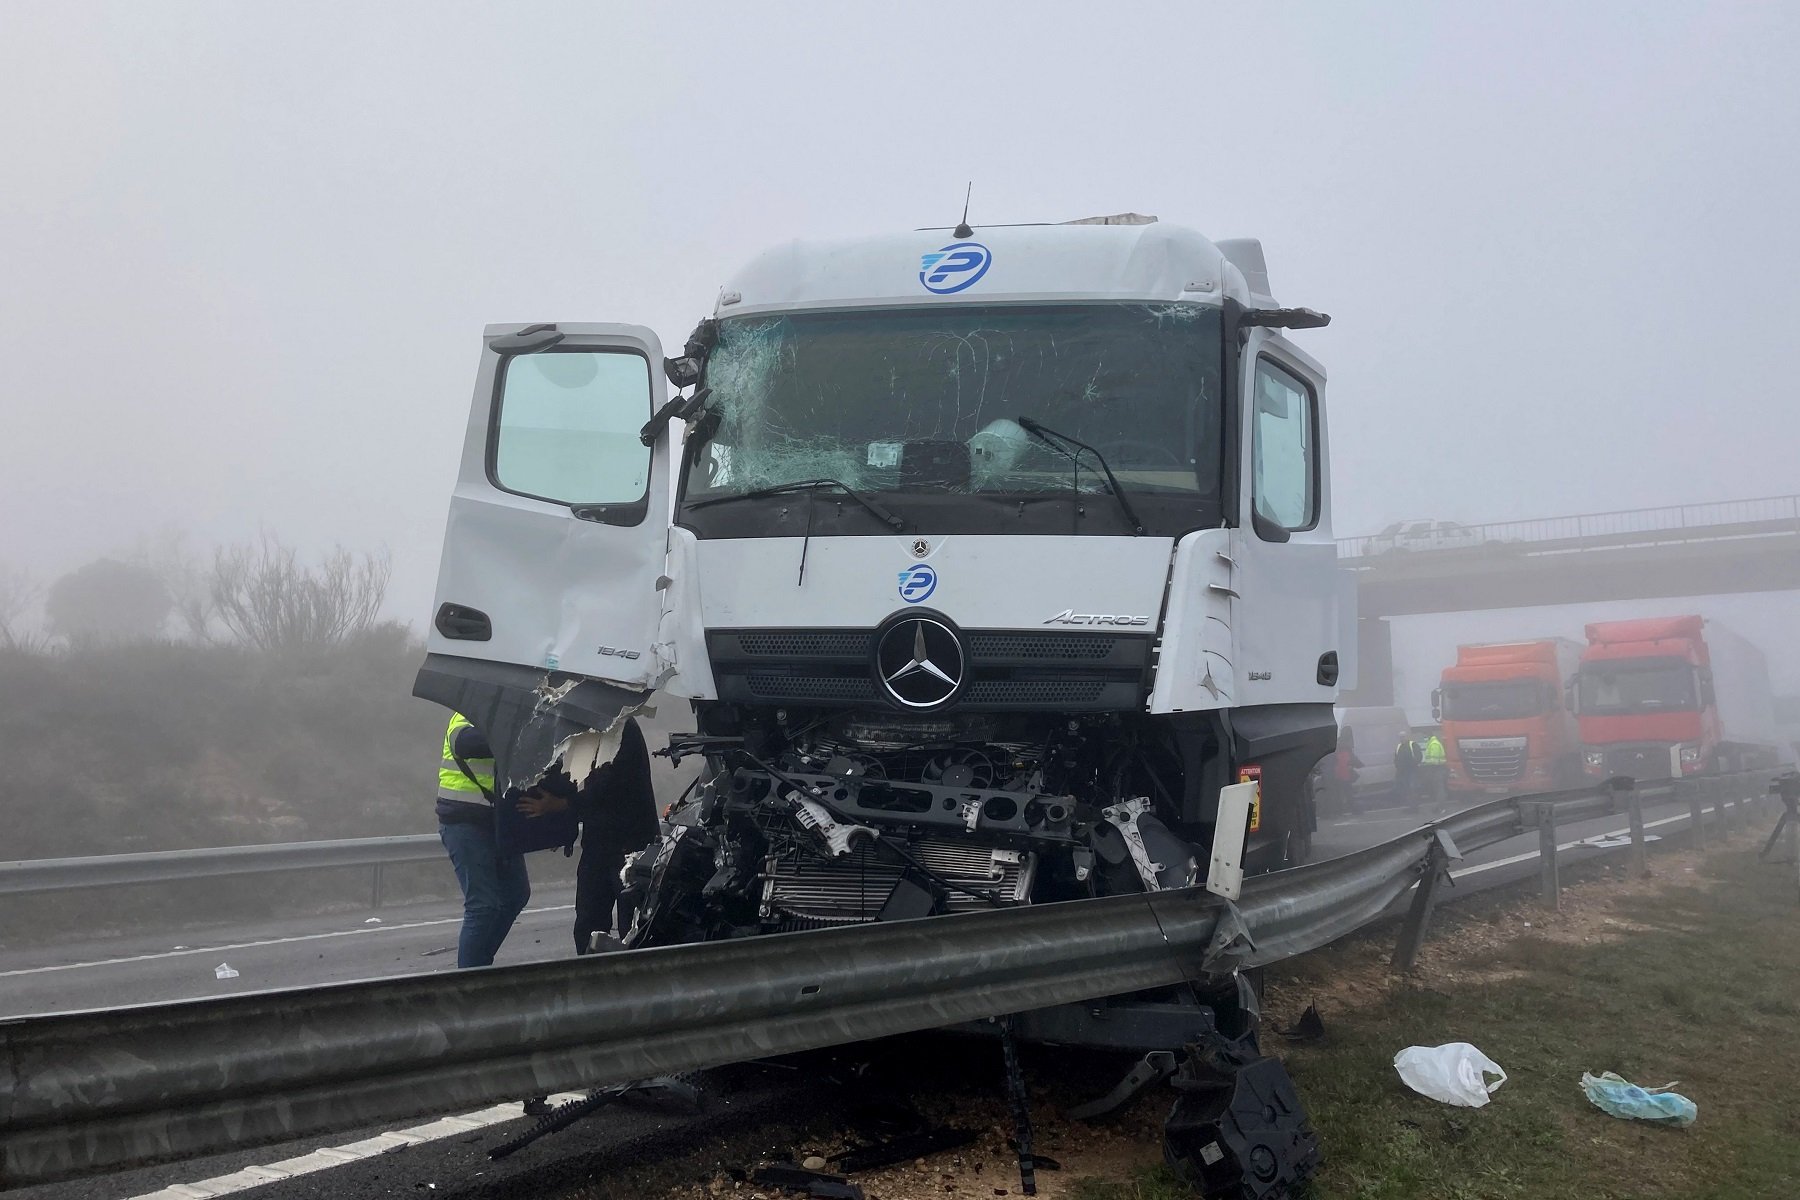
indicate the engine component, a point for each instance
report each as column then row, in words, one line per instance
column 1162, row 859
column 1243, row 1136
column 837, row 835
column 798, row 885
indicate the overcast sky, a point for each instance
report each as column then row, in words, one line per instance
column 247, row 249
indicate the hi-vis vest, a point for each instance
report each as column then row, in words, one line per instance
column 452, row 783
column 1432, row 756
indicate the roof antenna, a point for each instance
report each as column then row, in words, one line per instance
column 962, row 230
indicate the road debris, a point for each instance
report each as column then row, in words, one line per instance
column 224, row 971
column 1624, row 1099
column 1454, row 1073
column 1309, row 1028
column 820, row 1184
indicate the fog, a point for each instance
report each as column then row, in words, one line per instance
column 248, row 249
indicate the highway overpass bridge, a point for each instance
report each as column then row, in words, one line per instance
column 1639, row 554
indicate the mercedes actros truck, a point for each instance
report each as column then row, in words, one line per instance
column 986, row 559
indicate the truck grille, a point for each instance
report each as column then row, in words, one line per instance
column 1008, row 669
column 1638, row 762
column 852, row 889
column 1493, row 760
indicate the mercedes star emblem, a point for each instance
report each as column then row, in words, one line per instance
column 920, row 662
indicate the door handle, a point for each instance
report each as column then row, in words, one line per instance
column 460, row 623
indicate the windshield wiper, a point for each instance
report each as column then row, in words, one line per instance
column 809, row 485
column 1044, row 433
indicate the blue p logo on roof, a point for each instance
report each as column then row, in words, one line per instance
column 954, row 268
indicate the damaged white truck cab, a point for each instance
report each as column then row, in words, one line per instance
column 993, row 557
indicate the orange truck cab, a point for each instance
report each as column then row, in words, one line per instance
column 1507, row 725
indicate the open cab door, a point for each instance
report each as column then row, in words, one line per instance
column 548, row 602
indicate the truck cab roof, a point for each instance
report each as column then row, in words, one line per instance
column 1011, row 264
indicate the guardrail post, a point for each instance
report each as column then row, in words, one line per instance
column 1546, row 823
column 1418, row 917
column 375, row 888
column 1696, row 809
column 1624, row 787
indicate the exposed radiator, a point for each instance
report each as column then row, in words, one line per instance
column 852, row 889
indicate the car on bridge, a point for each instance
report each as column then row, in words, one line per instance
column 1425, row 535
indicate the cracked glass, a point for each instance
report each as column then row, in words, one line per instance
column 929, row 399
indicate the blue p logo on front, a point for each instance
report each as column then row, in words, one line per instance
column 917, row 583
column 954, row 268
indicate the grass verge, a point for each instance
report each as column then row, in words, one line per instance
column 1690, row 975
column 1693, row 975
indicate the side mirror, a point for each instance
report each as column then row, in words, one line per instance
column 1437, row 704
column 1266, row 529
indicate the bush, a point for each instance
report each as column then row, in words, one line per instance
column 156, row 746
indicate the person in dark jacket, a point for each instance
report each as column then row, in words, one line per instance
column 1406, row 766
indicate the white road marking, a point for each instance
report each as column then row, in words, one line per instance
column 361, row 931
column 326, row 1157
column 1519, row 858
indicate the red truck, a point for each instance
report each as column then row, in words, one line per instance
column 1507, row 726
column 1663, row 691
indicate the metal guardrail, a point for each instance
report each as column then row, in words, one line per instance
column 1624, row 522
column 167, row 866
column 96, row 1091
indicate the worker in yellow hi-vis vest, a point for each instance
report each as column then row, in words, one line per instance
column 1434, row 769
column 494, row 884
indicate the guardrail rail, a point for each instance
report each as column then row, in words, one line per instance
column 97, row 1091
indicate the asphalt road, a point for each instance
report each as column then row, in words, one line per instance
column 119, row 971
column 299, row 951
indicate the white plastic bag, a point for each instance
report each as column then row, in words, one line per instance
column 224, row 971
column 1453, row 1073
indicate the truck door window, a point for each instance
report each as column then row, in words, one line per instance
column 1284, row 475
column 566, row 427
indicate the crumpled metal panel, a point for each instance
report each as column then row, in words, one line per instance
column 528, row 716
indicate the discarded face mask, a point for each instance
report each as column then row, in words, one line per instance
column 1454, row 1073
column 1622, row 1098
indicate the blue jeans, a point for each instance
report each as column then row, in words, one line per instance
column 495, row 889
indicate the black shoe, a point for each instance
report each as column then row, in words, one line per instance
column 537, row 1106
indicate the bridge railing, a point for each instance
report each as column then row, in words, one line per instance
column 1661, row 522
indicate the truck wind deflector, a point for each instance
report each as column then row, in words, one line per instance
column 528, row 340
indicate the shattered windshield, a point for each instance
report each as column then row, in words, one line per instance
column 1648, row 685
column 911, row 400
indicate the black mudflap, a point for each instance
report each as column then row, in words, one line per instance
column 1240, row 1135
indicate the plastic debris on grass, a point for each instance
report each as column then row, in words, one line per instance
column 1454, row 1073
column 1624, row 1099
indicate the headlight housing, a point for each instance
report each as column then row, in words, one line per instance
column 1595, row 759
column 1690, row 756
